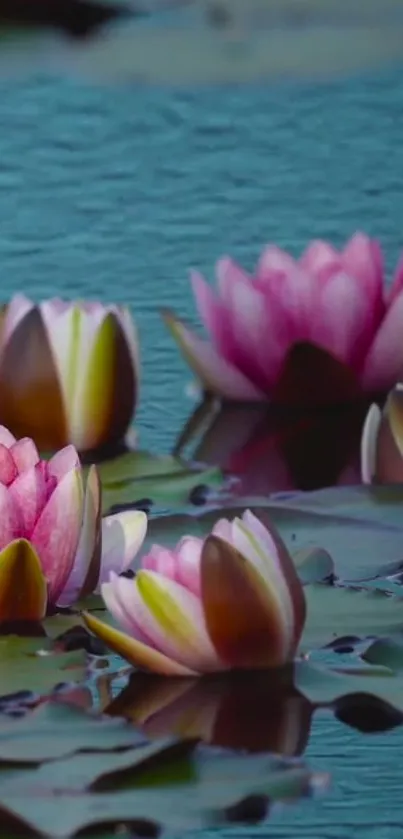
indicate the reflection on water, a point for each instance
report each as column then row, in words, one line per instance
column 274, row 449
column 258, row 712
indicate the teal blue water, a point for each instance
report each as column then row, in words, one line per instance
column 115, row 193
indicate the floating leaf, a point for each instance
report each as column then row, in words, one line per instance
column 201, row 789
column 141, row 476
column 337, row 611
column 326, row 686
column 313, row 564
column 56, row 729
column 31, row 664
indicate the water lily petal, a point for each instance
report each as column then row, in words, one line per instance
column 29, row 492
column 8, row 469
column 6, row 438
column 23, row 591
column 57, row 532
column 384, row 362
column 17, row 308
column 84, row 575
column 25, row 454
column 64, row 460
column 11, row 524
column 274, row 549
column 243, row 617
column 105, row 393
column 172, row 617
column 136, row 653
column 122, row 537
column 30, row 398
column 394, row 412
column 215, row 374
column 267, row 564
column 369, row 444
column 119, row 605
column 188, row 552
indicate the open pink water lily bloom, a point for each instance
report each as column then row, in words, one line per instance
column 231, row 601
column 69, row 372
column 318, row 328
column 382, row 441
column 54, row 548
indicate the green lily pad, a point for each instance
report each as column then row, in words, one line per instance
column 313, row 564
column 362, row 547
column 170, row 489
column 32, row 664
column 55, row 729
column 199, row 788
column 387, row 652
column 337, row 611
column 328, row 686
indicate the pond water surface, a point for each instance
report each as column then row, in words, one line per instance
column 115, row 193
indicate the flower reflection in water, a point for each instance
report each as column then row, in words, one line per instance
column 255, row 711
column 274, row 449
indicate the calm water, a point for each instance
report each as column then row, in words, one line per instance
column 115, row 193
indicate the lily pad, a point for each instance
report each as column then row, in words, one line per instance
column 337, row 611
column 328, row 686
column 55, row 729
column 201, row 788
column 32, row 664
column 156, row 479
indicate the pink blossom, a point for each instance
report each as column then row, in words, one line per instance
column 330, row 300
column 54, row 547
column 231, row 601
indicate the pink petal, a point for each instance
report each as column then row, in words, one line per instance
column 320, row 259
column 384, row 363
column 362, row 259
column 257, row 333
column 122, row 537
column 8, row 469
column 223, row 529
column 88, row 553
column 193, row 649
column 342, row 322
column 216, row 374
column 228, row 272
column 6, row 438
column 188, row 556
column 117, row 594
column 11, row 525
column 397, row 283
column 63, row 461
column 160, row 559
column 213, row 314
column 25, row 454
column 57, row 532
column 274, row 261
column 30, row 495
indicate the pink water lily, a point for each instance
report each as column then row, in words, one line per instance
column 69, row 372
column 382, row 441
column 318, row 328
column 231, row 601
column 54, row 548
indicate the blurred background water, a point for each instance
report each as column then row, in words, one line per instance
column 115, row 193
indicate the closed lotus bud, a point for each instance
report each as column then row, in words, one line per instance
column 382, row 441
column 233, row 601
column 68, row 372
